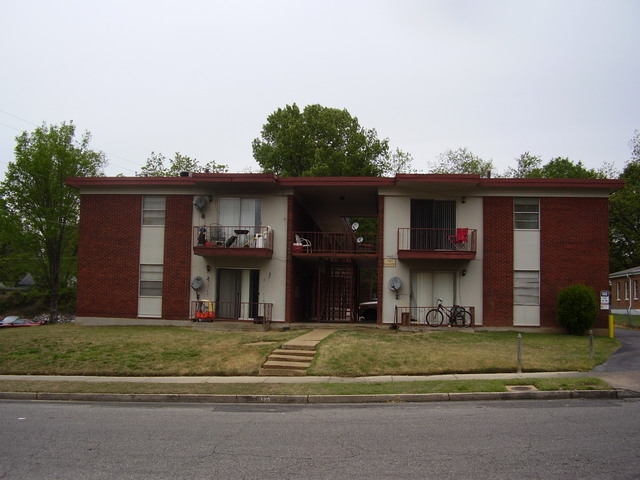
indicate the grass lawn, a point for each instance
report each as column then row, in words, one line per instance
column 68, row 349
column 627, row 321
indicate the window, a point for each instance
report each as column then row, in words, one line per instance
column 526, row 287
column 526, row 213
column 151, row 280
column 617, row 290
column 635, row 289
column 626, row 290
column 240, row 212
column 153, row 207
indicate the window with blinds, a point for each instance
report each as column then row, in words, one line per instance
column 151, row 280
column 526, row 287
column 526, row 213
column 153, row 208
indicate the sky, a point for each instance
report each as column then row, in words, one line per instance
column 555, row 78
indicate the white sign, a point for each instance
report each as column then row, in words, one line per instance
column 605, row 296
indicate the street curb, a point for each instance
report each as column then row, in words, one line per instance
column 320, row 399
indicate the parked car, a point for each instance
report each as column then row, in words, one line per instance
column 19, row 322
column 368, row 311
column 9, row 319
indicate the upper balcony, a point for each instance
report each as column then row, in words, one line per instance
column 238, row 241
column 437, row 243
column 335, row 244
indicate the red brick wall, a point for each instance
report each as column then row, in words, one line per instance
column 574, row 248
column 108, row 255
column 177, row 257
column 498, row 261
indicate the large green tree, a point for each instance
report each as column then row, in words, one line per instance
column 36, row 199
column 462, row 160
column 157, row 166
column 624, row 214
column 322, row 141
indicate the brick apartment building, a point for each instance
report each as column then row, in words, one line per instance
column 624, row 291
column 289, row 250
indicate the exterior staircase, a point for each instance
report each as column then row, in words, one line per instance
column 295, row 356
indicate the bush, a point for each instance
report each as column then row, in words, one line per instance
column 577, row 309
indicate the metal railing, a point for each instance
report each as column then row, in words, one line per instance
column 335, row 242
column 256, row 312
column 226, row 236
column 437, row 239
column 418, row 315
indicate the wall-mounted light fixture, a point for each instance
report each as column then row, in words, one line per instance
column 463, row 272
column 208, row 268
column 463, row 199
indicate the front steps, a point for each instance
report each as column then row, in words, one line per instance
column 295, row 356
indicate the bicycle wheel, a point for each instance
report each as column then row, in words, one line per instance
column 434, row 317
column 464, row 318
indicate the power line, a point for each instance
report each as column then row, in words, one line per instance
column 109, row 155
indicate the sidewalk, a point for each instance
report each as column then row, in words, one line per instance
column 521, row 392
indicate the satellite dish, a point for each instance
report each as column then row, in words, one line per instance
column 355, row 226
column 201, row 204
column 360, row 239
column 394, row 284
column 196, row 283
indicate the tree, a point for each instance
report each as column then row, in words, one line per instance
column 155, row 166
column 527, row 164
column 322, row 141
column 562, row 167
column 462, row 161
column 624, row 214
column 36, row 197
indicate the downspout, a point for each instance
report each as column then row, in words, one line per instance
column 630, row 297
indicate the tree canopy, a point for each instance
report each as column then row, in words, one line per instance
column 624, row 214
column 462, row 161
column 322, row 141
column 156, row 166
column 41, row 209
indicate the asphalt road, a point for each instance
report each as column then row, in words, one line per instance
column 622, row 369
column 586, row 439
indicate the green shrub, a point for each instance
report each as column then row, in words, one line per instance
column 577, row 309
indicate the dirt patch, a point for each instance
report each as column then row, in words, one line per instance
column 521, row 388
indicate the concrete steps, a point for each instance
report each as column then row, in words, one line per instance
column 295, row 356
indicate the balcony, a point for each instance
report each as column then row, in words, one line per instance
column 335, row 244
column 437, row 243
column 237, row 241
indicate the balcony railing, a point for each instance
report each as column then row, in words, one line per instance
column 334, row 243
column 256, row 312
column 223, row 239
column 437, row 242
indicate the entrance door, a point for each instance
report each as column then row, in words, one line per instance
column 427, row 287
column 237, row 293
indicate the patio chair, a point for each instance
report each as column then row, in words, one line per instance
column 306, row 244
column 460, row 240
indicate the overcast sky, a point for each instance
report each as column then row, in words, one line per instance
column 199, row 77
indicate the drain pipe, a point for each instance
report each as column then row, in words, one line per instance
column 630, row 297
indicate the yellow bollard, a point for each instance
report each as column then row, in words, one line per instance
column 611, row 326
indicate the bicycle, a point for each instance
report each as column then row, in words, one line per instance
column 456, row 315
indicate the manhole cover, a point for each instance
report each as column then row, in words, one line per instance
column 521, row 388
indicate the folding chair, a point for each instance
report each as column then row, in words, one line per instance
column 460, row 239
